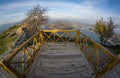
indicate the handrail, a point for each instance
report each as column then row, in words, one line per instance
column 95, row 56
column 93, row 51
column 26, row 54
column 20, row 47
column 60, row 35
column 100, row 46
column 108, row 67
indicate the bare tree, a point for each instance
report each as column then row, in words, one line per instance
column 35, row 18
column 105, row 29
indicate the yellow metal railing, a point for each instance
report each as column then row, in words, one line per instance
column 19, row 62
column 99, row 57
column 60, row 36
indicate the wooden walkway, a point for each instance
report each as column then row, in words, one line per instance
column 61, row 60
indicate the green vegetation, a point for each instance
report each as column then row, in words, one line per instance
column 117, row 50
column 114, row 49
column 105, row 29
column 7, row 38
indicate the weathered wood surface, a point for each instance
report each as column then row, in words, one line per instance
column 61, row 61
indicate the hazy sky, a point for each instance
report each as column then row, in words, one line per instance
column 82, row 10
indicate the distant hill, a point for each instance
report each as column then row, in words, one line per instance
column 75, row 22
column 9, row 37
column 67, row 24
column 61, row 25
column 3, row 27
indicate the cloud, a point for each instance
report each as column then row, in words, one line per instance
column 87, row 10
column 17, row 5
column 12, row 20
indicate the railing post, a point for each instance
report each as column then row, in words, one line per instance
column 77, row 36
column 37, row 43
column 42, row 37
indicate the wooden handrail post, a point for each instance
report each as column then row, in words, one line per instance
column 42, row 37
column 77, row 36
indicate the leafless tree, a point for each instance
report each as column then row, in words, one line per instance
column 35, row 18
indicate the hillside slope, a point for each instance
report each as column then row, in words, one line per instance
column 8, row 37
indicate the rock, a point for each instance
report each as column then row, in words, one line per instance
column 25, row 36
column 115, row 39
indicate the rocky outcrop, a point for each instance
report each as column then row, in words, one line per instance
column 19, row 30
column 23, row 38
column 115, row 39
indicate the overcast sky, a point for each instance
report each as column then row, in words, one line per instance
column 83, row 10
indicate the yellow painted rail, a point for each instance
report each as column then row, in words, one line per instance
column 19, row 62
column 98, row 56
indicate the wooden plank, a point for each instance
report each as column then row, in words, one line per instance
column 59, row 64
